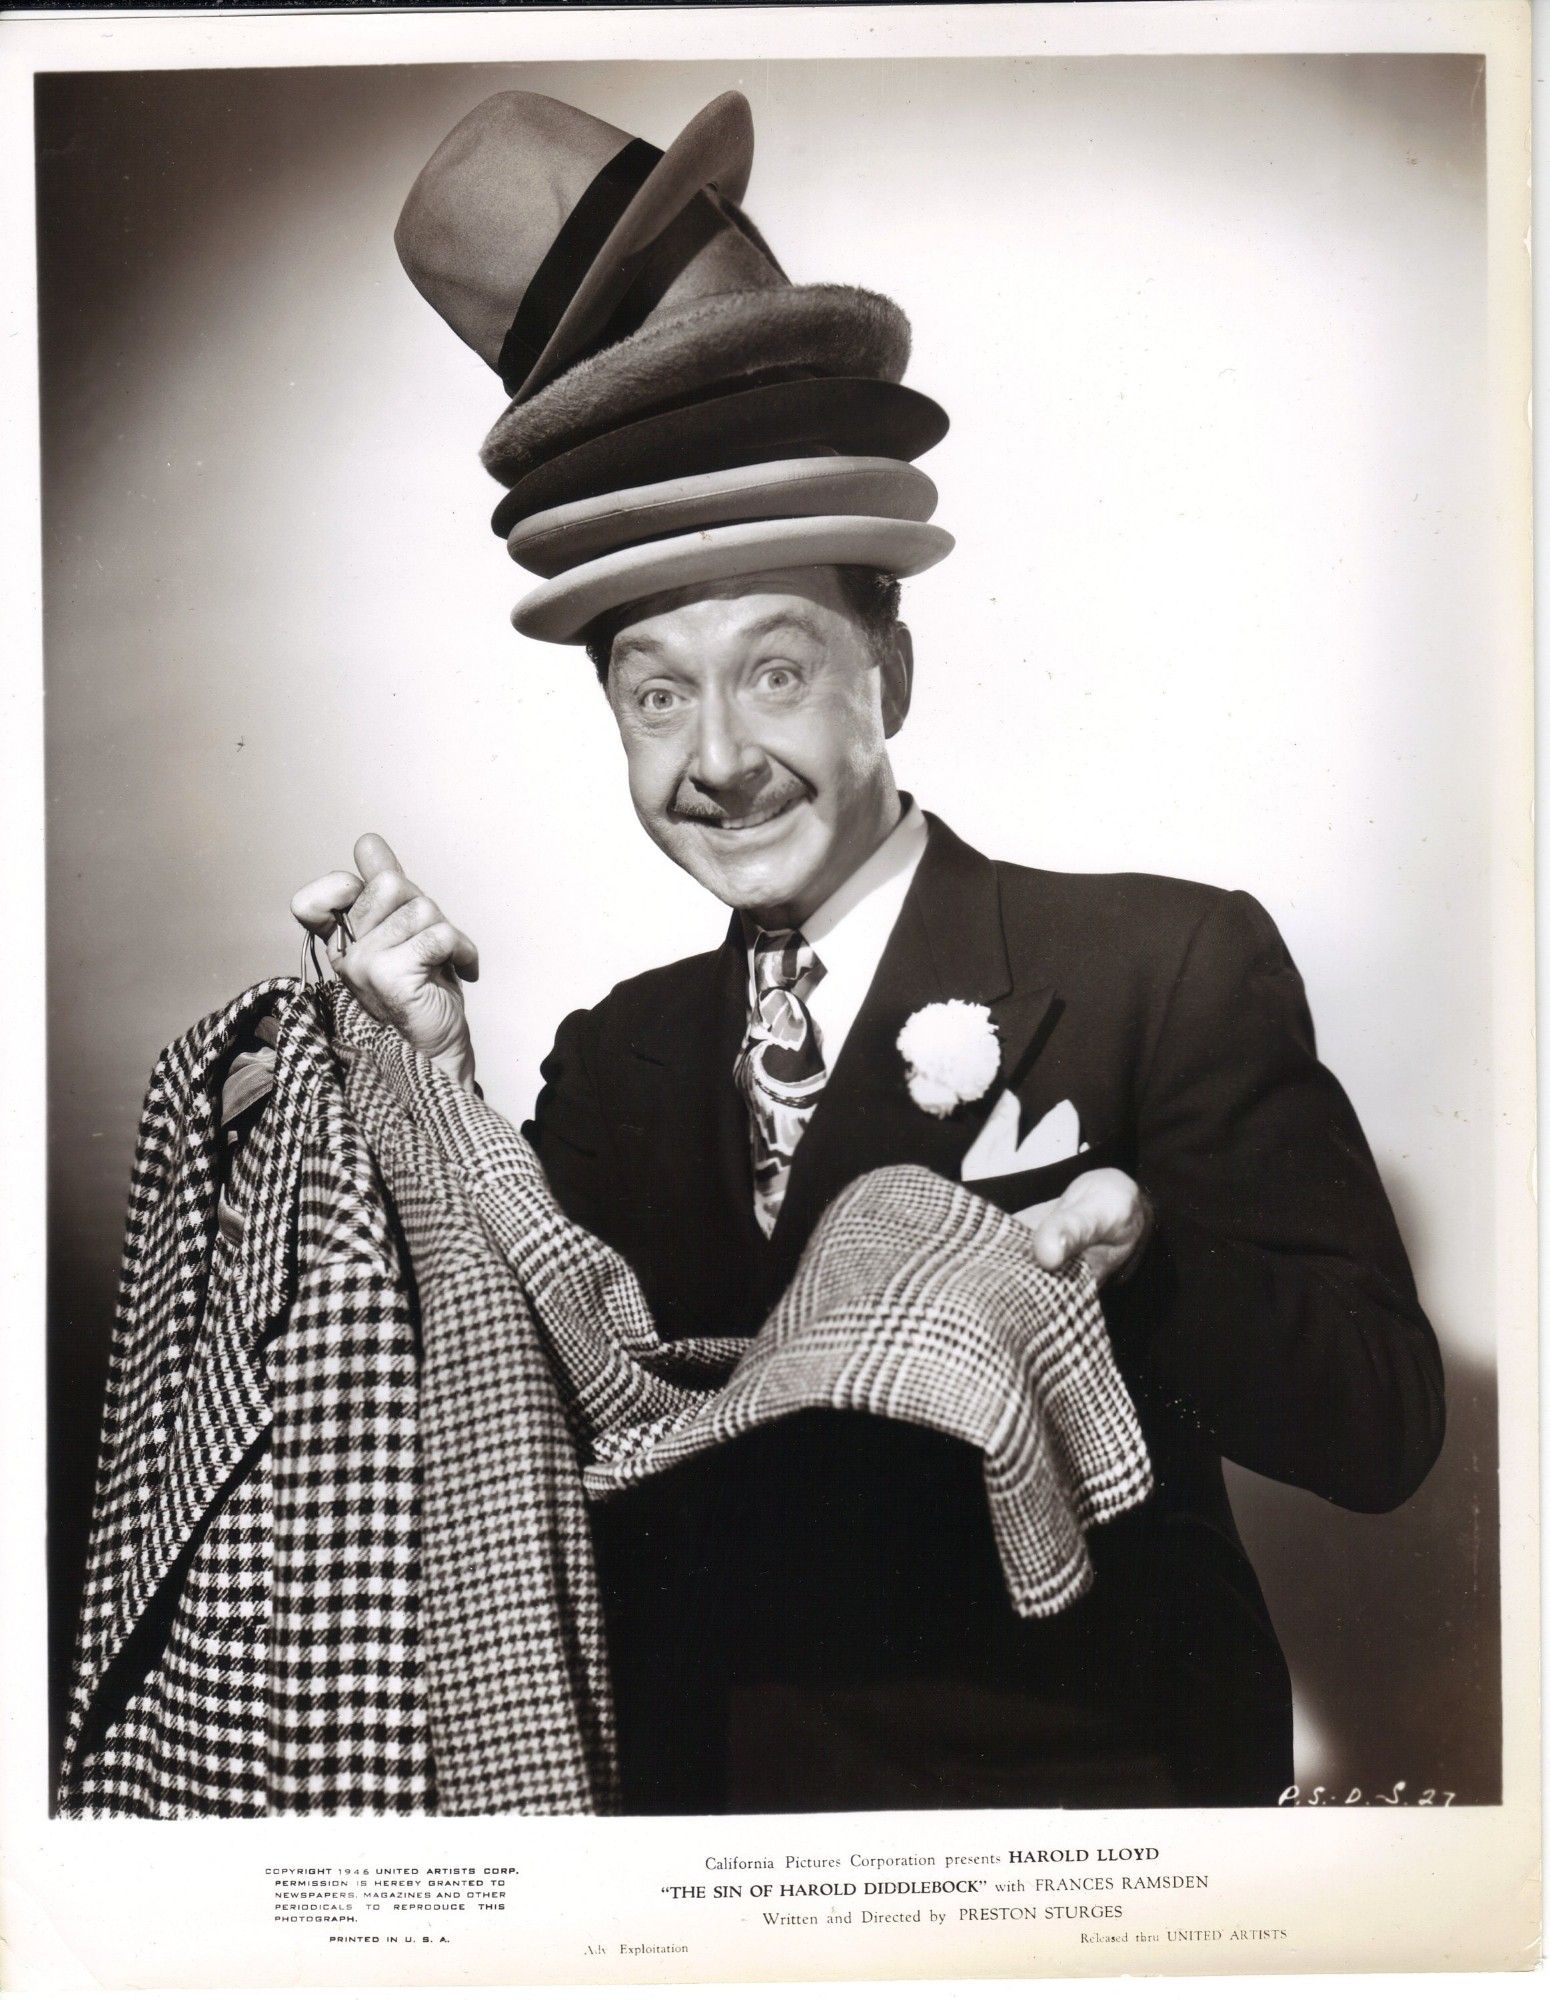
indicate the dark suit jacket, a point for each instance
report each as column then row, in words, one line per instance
column 813, row 1618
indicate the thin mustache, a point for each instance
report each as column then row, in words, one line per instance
column 765, row 807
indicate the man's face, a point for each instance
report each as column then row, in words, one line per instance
column 755, row 716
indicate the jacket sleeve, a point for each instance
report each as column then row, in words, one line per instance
column 1274, row 1309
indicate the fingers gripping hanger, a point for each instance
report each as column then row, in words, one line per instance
column 250, row 1078
column 315, row 968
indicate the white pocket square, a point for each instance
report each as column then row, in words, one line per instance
column 1057, row 1136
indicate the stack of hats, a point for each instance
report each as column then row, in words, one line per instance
column 680, row 411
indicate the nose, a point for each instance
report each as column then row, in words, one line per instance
column 726, row 758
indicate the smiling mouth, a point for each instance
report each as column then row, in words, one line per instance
column 760, row 816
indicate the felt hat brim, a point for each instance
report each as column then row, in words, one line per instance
column 561, row 538
column 715, row 149
column 817, row 416
column 562, row 609
column 821, row 329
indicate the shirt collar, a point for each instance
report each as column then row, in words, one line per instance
column 870, row 885
column 868, row 898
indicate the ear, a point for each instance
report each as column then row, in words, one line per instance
column 898, row 671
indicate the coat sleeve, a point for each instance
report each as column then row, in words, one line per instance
column 1274, row 1309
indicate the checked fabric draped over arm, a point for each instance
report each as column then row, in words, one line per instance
column 915, row 1300
column 541, row 1381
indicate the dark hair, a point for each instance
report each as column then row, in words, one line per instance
column 871, row 594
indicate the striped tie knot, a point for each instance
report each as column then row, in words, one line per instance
column 786, row 969
column 786, row 960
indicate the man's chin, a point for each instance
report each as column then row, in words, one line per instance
column 766, row 867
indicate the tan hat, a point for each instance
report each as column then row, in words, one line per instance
column 565, row 607
column 564, row 537
column 527, row 223
column 601, row 278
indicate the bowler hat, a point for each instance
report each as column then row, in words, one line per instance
column 561, row 538
column 601, row 279
column 563, row 608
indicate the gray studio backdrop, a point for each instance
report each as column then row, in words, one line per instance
column 1211, row 333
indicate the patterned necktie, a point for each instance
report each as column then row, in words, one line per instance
column 779, row 1069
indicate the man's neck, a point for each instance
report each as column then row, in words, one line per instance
column 792, row 916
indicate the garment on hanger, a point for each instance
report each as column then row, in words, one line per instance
column 435, row 1370
column 249, row 1640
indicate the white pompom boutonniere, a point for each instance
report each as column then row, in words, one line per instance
column 951, row 1052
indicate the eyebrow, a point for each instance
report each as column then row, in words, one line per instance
column 629, row 648
column 645, row 648
column 796, row 621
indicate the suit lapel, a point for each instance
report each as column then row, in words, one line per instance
column 948, row 944
column 705, row 1261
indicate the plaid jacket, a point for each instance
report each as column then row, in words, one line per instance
column 478, row 1653
column 249, row 1632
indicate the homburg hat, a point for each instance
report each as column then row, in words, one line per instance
column 601, row 278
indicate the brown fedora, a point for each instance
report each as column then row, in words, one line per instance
column 526, row 225
column 601, row 278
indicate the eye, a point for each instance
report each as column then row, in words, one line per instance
column 780, row 677
column 657, row 700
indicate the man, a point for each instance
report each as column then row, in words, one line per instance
column 1258, row 1296
column 813, row 1618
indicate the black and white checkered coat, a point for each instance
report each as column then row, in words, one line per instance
column 249, row 1639
column 468, row 1641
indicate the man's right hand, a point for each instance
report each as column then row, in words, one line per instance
column 404, row 964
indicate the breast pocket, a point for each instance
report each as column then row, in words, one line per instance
column 1015, row 1192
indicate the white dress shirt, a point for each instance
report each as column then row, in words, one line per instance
column 850, row 932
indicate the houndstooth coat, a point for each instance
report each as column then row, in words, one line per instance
column 249, row 1633
column 359, row 1397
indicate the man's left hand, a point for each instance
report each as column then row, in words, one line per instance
column 1102, row 1217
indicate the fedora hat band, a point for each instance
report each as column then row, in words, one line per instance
column 570, row 256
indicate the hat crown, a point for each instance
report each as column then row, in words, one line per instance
column 489, row 204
